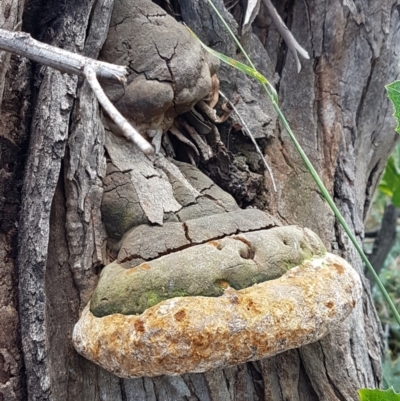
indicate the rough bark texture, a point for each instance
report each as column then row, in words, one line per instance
column 15, row 78
column 337, row 107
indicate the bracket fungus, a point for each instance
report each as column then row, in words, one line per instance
column 197, row 283
column 220, row 303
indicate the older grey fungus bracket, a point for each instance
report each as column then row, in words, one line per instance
column 237, row 261
column 221, row 303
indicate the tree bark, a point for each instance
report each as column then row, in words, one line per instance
column 337, row 107
column 15, row 108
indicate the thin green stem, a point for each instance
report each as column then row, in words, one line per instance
column 314, row 174
column 271, row 94
column 221, row 18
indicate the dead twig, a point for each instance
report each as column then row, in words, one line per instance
column 175, row 131
column 204, row 148
column 287, row 36
column 127, row 130
column 22, row 44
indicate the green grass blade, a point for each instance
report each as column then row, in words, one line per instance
column 232, row 62
column 314, row 173
column 272, row 94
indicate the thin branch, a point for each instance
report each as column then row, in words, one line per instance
column 287, row 36
column 21, row 43
column 248, row 132
column 130, row 133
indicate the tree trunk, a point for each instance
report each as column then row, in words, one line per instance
column 337, row 107
column 15, row 110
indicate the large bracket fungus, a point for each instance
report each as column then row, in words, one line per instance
column 212, row 286
column 198, row 333
column 196, row 283
column 215, row 291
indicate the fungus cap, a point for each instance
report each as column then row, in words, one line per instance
column 197, row 334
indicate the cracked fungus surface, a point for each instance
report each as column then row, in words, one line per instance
column 196, row 334
column 169, row 71
column 237, row 261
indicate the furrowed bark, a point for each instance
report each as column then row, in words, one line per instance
column 49, row 133
column 15, row 103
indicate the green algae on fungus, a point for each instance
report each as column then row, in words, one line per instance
column 238, row 261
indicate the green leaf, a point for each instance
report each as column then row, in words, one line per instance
column 367, row 394
column 396, row 197
column 390, row 182
column 389, row 178
column 393, row 91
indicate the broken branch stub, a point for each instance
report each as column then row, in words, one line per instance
column 197, row 334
